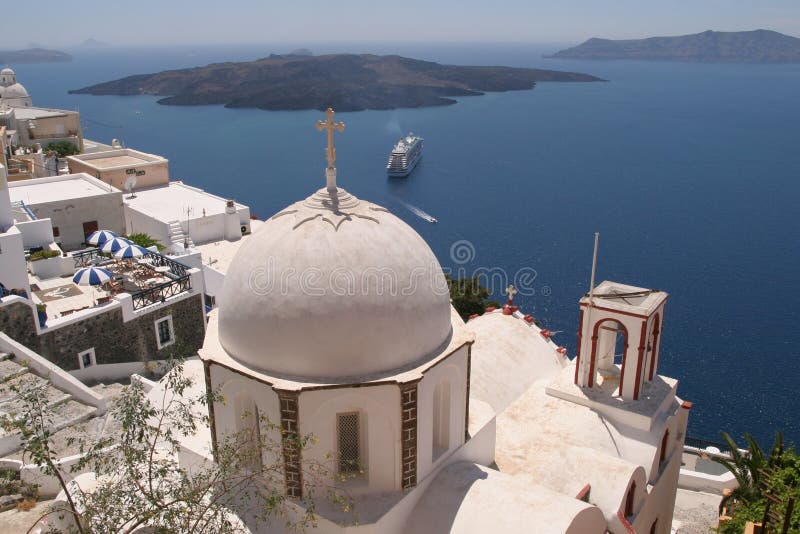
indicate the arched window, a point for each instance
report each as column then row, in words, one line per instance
column 662, row 454
column 629, row 500
column 248, row 429
column 441, row 419
column 654, row 526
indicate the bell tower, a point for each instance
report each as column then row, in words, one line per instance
column 619, row 339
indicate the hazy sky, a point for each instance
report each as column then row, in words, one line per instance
column 56, row 23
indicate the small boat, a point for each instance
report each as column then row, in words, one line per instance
column 405, row 156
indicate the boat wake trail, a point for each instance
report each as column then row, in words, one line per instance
column 418, row 212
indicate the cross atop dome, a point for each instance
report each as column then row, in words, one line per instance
column 330, row 126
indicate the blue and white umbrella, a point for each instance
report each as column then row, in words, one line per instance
column 100, row 236
column 92, row 276
column 113, row 245
column 131, row 251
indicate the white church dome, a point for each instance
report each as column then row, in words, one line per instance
column 15, row 91
column 333, row 287
column 7, row 71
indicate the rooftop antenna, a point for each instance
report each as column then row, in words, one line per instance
column 594, row 267
column 591, row 288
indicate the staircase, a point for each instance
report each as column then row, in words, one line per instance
column 66, row 411
column 177, row 236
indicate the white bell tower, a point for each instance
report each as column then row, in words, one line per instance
column 619, row 339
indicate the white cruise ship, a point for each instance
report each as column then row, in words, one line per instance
column 405, row 156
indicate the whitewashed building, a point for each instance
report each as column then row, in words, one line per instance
column 335, row 320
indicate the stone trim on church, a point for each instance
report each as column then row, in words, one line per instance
column 408, row 434
column 292, row 455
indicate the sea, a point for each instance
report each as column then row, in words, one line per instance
column 690, row 172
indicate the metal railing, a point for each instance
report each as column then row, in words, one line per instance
column 161, row 292
column 84, row 258
column 157, row 260
column 700, row 443
column 180, row 283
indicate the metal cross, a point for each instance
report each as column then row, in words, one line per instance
column 331, row 126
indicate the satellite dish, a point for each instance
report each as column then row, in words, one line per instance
column 130, row 183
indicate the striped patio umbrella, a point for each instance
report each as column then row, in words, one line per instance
column 100, row 236
column 92, row 276
column 113, row 245
column 131, row 251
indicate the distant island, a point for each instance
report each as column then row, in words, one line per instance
column 758, row 46
column 33, row 55
column 91, row 42
column 347, row 82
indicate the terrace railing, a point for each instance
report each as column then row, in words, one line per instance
column 161, row 292
column 84, row 258
column 157, row 260
column 700, row 443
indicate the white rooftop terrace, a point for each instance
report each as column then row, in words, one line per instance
column 169, row 202
column 39, row 113
column 219, row 254
column 58, row 188
column 120, row 158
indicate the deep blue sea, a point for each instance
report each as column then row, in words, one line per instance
column 690, row 172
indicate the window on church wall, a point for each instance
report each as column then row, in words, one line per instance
column 629, row 498
column 662, row 454
column 248, row 431
column 654, row 527
column 441, row 419
column 348, row 429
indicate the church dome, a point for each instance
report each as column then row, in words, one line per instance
column 333, row 287
column 16, row 90
column 7, row 70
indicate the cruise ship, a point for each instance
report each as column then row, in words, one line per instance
column 405, row 156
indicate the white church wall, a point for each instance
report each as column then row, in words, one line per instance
column 379, row 409
column 660, row 501
column 239, row 391
column 453, row 371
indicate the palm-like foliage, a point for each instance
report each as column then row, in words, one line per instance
column 747, row 466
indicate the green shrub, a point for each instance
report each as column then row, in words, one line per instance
column 145, row 241
column 44, row 254
column 63, row 148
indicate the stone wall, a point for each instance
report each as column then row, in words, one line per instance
column 113, row 340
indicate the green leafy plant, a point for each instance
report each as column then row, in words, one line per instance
column 63, row 148
column 140, row 483
column 144, row 240
column 781, row 467
column 44, row 254
column 469, row 296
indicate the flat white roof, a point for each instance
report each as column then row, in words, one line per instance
column 118, row 158
column 169, row 202
column 219, row 254
column 38, row 113
column 57, row 188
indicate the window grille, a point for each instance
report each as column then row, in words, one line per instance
column 165, row 335
column 349, row 443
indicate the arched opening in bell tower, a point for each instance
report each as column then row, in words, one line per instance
column 609, row 351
